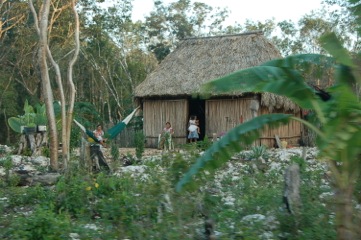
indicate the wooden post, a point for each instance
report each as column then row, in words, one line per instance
column 254, row 107
column 278, row 141
column 209, row 227
column 291, row 194
column 97, row 158
column 214, row 137
column 85, row 161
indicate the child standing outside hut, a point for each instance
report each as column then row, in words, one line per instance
column 166, row 135
column 193, row 129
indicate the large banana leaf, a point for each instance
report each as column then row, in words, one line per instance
column 334, row 47
column 348, row 70
column 15, row 124
column 280, row 81
column 303, row 62
column 235, row 140
column 342, row 130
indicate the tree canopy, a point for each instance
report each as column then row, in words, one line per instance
column 116, row 53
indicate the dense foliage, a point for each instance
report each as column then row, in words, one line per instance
column 243, row 199
column 116, row 53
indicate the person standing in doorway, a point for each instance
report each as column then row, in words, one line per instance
column 193, row 129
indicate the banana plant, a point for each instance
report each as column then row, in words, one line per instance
column 27, row 119
column 40, row 117
column 339, row 138
column 31, row 117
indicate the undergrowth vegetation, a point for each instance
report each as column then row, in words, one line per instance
column 243, row 202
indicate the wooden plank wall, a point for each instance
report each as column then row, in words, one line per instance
column 157, row 112
column 224, row 114
column 290, row 132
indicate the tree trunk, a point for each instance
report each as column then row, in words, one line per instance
column 344, row 213
column 45, row 80
column 85, row 161
column 33, row 144
column 344, row 178
column 44, row 52
column 22, row 144
column 98, row 160
column 7, row 140
column 72, row 90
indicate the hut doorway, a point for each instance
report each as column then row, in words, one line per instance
column 197, row 108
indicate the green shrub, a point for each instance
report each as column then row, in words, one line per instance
column 75, row 136
column 7, row 164
column 114, row 151
column 300, row 161
column 139, row 143
column 205, row 144
column 73, row 194
column 149, row 208
column 2, row 150
column 40, row 224
column 259, row 152
column 45, row 151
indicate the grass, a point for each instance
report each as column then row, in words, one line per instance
column 244, row 204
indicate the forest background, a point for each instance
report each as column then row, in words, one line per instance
column 116, row 53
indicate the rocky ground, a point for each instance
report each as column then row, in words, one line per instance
column 26, row 166
column 271, row 162
column 273, row 159
column 131, row 151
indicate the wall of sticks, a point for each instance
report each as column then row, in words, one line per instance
column 221, row 115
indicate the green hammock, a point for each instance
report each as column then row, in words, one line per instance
column 112, row 132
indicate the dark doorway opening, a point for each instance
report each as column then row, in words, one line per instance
column 197, row 108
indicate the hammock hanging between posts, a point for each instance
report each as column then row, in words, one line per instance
column 112, row 132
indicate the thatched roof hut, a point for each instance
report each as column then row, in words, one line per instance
column 196, row 61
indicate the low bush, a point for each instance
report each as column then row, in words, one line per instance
column 141, row 203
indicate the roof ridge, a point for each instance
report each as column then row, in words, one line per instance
column 224, row 36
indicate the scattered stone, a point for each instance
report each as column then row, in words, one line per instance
column 41, row 161
column 4, row 149
column 254, row 218
column 48, row 179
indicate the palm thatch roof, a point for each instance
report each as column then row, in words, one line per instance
column 198, row 60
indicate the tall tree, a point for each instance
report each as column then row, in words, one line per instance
column 113, row 46
column 42, row 29
column 167, row 24
column 11, row 15
column 45, row 54
column 303, row 35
